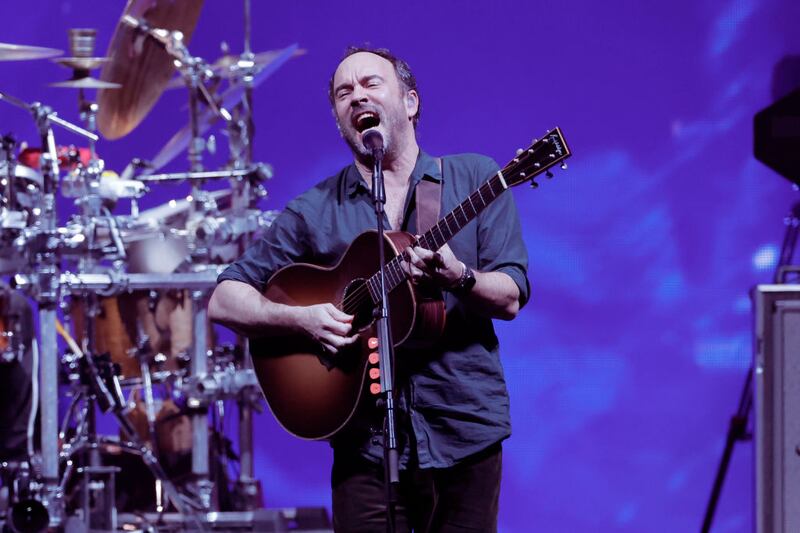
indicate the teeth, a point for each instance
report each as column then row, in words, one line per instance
column 364, row 116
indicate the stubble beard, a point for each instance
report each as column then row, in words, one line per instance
column 390, row 127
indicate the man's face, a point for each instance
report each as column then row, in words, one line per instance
column 368, row 95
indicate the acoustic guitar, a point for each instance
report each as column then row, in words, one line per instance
column 314, row 395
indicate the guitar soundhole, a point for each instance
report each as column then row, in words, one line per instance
column 358, row 302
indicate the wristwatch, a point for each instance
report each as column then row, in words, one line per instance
column 465, row 282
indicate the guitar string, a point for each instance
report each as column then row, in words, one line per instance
column 356, row 298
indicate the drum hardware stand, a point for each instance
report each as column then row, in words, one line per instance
column 198, row 370
column 248, row 489
column 46, row 292
column 47, row 298
column 99, row 385
column 738, row 427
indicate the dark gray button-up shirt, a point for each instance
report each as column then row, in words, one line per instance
column 453, row 400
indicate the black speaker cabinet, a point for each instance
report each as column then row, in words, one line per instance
column 777, row 408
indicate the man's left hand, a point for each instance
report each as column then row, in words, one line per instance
column 441, row 268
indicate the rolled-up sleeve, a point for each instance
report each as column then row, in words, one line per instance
column 500, row 244
column 283, row 243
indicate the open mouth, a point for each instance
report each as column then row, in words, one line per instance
column 366, row 120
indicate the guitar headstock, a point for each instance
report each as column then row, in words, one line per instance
column 539, row 157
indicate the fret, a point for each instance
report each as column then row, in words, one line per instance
column 387, row 277
column 390, row 275
column 430, row 239
column 439, row 243
column 489, row 191
column 439, row 234
column 466, row 218
column 425, row 240
column 397, row 273
column 452, row 215
column 373, row 290
column 474, row 211
column 492, row 186
column 446, row 223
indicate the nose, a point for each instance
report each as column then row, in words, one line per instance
column 358, row 96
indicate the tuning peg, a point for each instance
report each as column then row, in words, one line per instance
column 534, row 185
column 548, row 174
column 535, row 140
column 519, row 151
column 563, row 166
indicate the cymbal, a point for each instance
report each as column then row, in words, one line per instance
column 81, row 63
column 230, row 97
column 141, row 65
column 227, row 65
column 86, row 83
column 19, row 52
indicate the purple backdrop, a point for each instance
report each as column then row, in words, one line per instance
column 628, row 361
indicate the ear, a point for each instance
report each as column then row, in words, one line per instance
column 412, row 103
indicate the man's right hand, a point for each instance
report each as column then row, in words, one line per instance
column 327, row 325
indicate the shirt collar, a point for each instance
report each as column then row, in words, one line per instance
column 426, row 167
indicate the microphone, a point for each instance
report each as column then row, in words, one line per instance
column 373, row 141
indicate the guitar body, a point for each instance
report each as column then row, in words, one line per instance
column 313, row 395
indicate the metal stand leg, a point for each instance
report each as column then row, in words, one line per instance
column 199, row 370
column 48, row 380
column 247, row 487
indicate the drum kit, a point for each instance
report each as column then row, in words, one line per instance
column 127, row 293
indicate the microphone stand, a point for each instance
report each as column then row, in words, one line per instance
column 385, row 347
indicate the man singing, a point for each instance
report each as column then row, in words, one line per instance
column 452, row 402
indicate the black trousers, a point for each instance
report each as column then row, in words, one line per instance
column 463, row 497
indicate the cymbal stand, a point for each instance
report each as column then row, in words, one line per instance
column 195, row 73
column 245, row 195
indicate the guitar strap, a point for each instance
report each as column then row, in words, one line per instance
column 429, row 201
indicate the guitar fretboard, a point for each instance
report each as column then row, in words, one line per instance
column 440, row 233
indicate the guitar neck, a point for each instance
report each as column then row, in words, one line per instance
column 441, row 232
column 539, row 157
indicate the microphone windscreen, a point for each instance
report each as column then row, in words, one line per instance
column 373, row 140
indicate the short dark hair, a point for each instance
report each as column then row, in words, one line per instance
column 401, row 68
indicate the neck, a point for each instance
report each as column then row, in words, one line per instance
column 397, row 164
